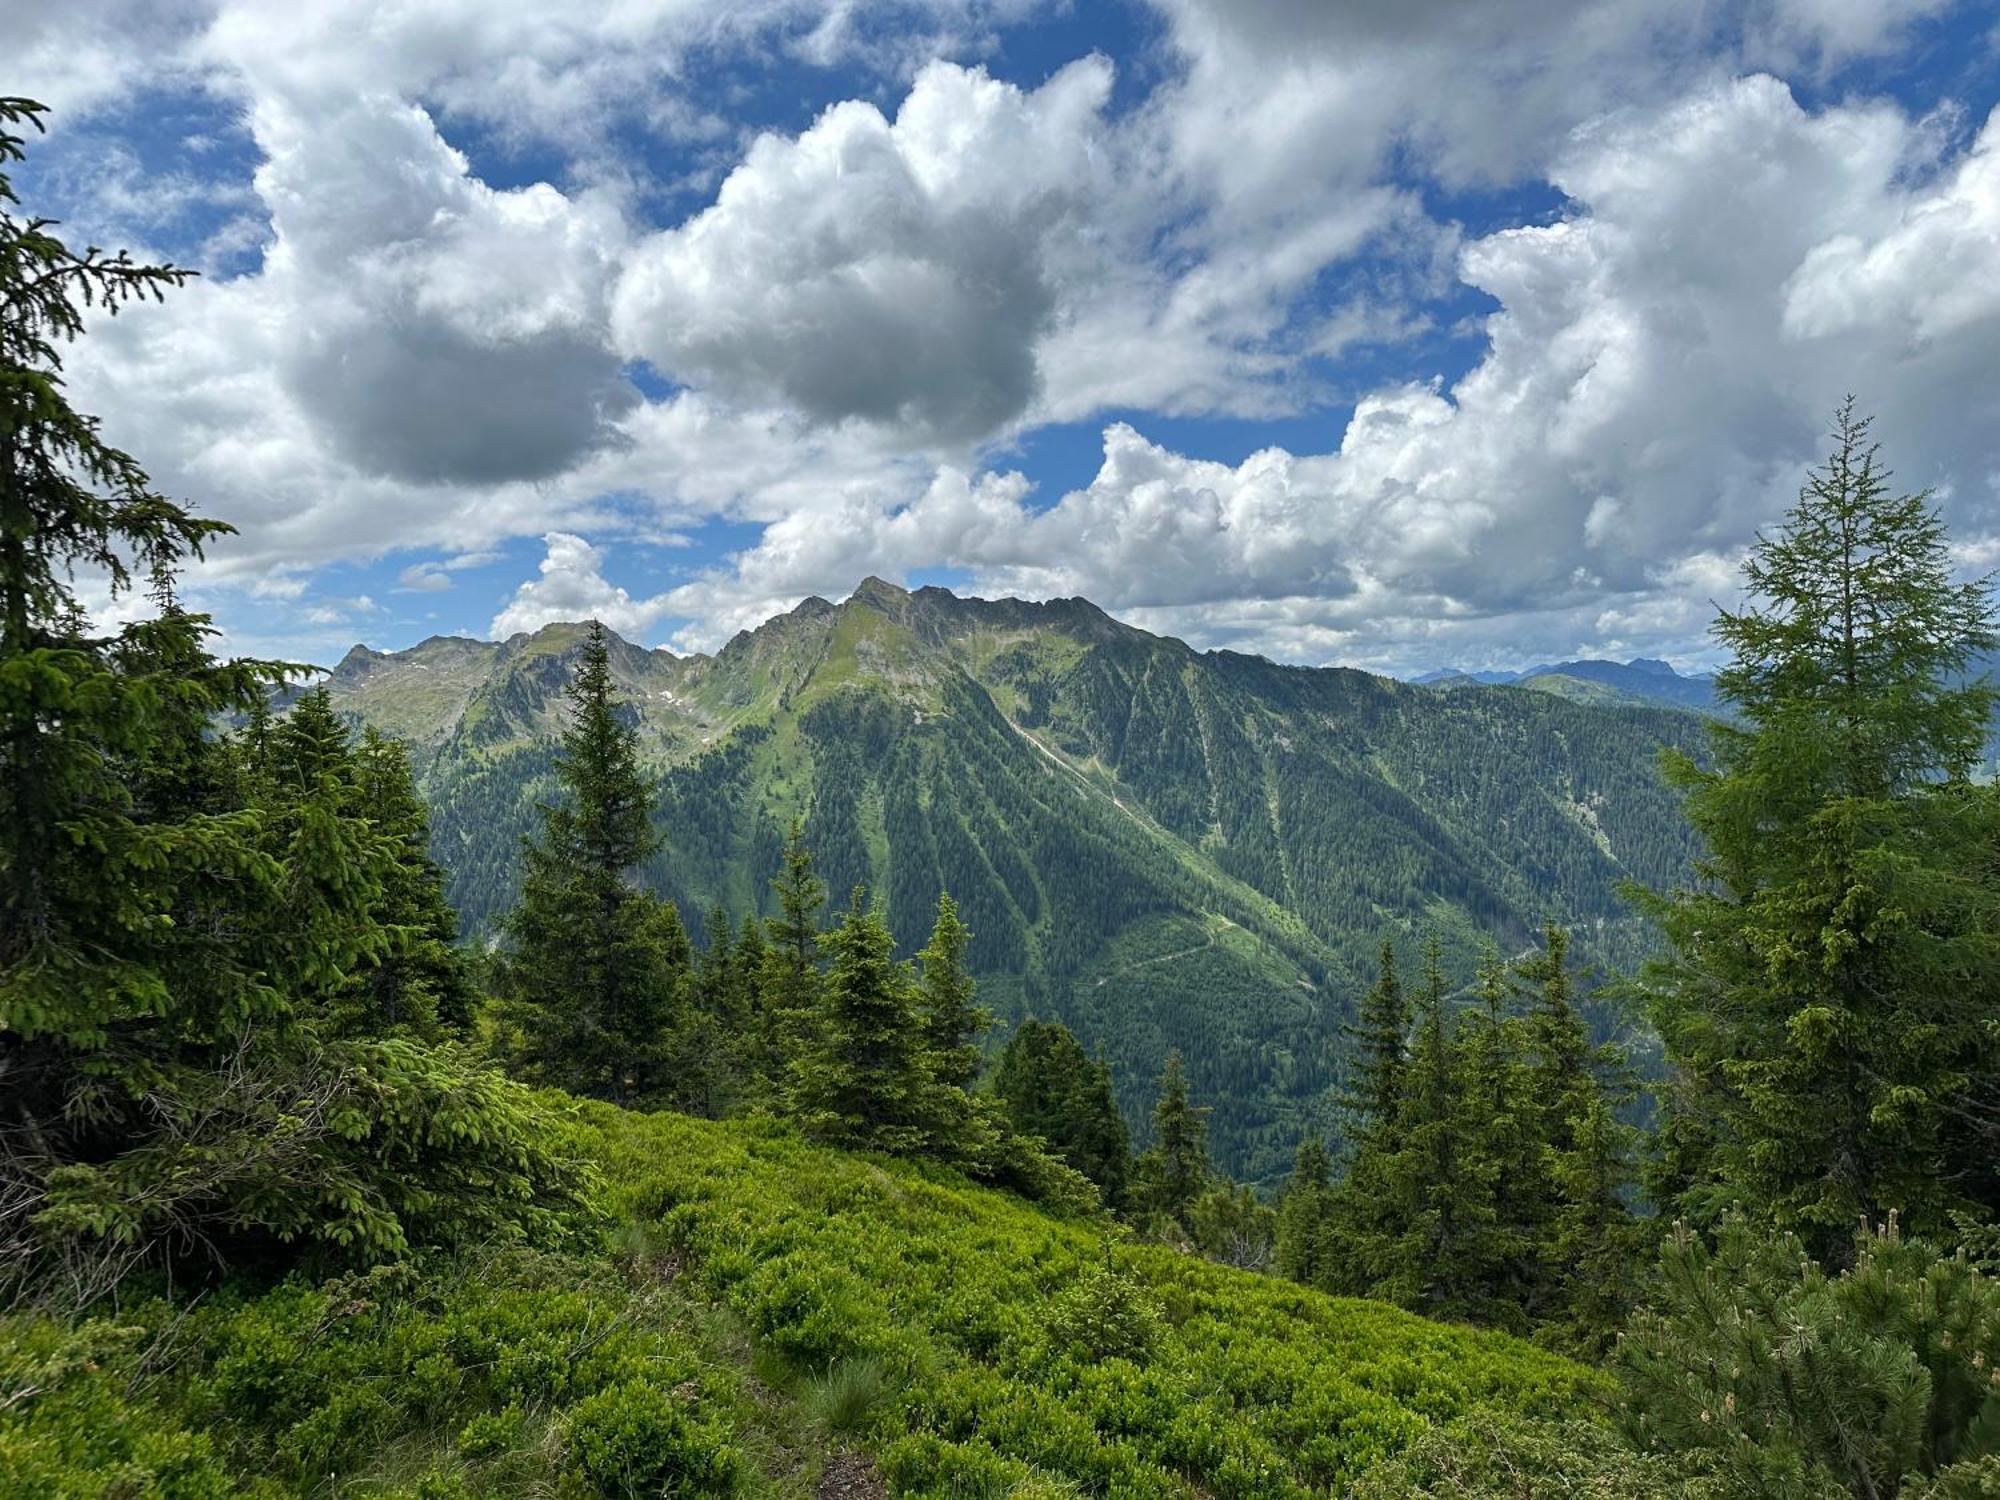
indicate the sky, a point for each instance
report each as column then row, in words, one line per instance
column 1392, row 333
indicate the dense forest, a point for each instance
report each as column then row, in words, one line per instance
column 301, row 1194
column 1163, row 850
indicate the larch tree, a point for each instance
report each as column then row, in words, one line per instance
column 1828, row 1006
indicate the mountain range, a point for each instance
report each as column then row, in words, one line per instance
column 1162, row 847
column 1640, row 681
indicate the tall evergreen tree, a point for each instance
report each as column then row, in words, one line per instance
column 1381, row 1036
column 716, row 1044
column 1172, row 1173
column 1441, row 1254
column 1306, row 1226
column 1589, row 1241
column 1828, row 1007
column 953, row 1020
column 789, row 986
column 1506, row 1132
column 595, row 969
column 1050, row 1088
column 862, row 1076
column 166, row 928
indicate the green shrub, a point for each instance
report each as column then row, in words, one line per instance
column 1487, row 1456
column 1763, row 1369
column 1249, row 1386
column 1105, row 1314
column 636, row 1441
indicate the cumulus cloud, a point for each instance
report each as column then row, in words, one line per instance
column 421, row 361
column 897, row 271
column 572, row 586
column 1650, row 395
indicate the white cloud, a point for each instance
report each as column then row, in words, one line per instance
column 425, row 362
column 899, row 271
column 1650, row 396
column 572, row 586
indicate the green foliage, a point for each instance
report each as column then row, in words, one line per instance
column 1490, row 1456
column 1305, row 1249
column 1249, row 1385
column 508, row 1372
column 1768, row 1373
column 636, row 1441
column 1173, row 1173
column 850, row 1393
column 1054, row 1092
column 1496, row 1189
column 1828, row 1005
column 952, row 1019
column 1159, row 849
column 594, row 969
column 863, row 1077
column 199, row 941
column 1105, row 1314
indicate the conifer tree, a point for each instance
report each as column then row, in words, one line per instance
column 594, row 968
column 1441, row 1253
column 1305, row 1252
column 1828, row 1005
column 1173, row 1172
column 427, row 986
column 862, row 1076
column 711, row 1060
column 169, row 933
column 952, row 1019
column 1051, row 1089
column 310, row 778
column 1381, row 1040
column 789, row 987
column 1588, row 1237
column 1506, row 1120
column 1365, row 1215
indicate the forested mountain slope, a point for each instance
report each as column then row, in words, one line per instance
column 1161, row 847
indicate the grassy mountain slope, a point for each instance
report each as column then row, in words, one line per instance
column 1159, row 846
column 768, row 1306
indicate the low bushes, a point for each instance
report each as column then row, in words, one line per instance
column 1021, row 1350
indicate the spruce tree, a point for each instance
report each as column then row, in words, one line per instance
column 1305, row 1251
column 1441, row 1254
column 1380, row 1039
column 1053, row 1090
column 1173, row 1172
column 594, row 969
column 789, row 985
column 172, row 929
column 1366, row 1222
column 1828, row 1005
column 1506, row 1121
column 862, row 1075
column 716, row 1046
column 1588, row 1237
column 953, row 1021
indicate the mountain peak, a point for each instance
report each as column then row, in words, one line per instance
column 880, row 593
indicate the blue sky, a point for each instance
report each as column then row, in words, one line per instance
column 1399, row 332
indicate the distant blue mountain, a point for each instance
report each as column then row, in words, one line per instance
column 1642, row 680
